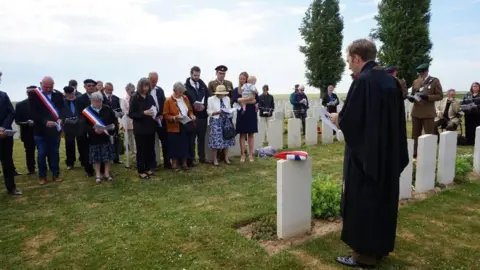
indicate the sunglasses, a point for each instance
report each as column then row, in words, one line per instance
column 91, row 85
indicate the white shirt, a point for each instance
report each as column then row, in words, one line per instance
column 182, row 106
column 153, row 93
column 214, row 105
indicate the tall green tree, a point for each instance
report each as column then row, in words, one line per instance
column 403, row 30
column 321, row 29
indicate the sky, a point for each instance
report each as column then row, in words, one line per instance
column 122, row 41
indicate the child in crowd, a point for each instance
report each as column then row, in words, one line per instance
column 249, row 90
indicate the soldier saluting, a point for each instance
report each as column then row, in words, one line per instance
column 425, row 91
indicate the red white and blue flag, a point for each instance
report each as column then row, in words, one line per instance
column 48, row 103
column 90, row 115
column 292, row 155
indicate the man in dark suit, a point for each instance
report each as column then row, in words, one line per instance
column 7, row 115
column 74, row 84
column 81, row 103
column 47, row 106
column 24, row 120
column 71, row 128
column 159, row 96
column 198, row 94
column 114, row 102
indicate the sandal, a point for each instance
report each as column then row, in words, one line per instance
column 98, row 179
column 175, row 170
column 143, row 176
column 242, row 159
column 185, row 168
column 228, row 162
column 251, row 159
column 216, row 164
column 108, row 178
column 150, row 173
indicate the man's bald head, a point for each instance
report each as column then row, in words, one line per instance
column 153, row 77
column 47, row 84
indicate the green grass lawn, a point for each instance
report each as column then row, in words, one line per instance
column 187, row 221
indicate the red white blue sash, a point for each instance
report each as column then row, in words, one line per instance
column 47, row 102
column 90, row 115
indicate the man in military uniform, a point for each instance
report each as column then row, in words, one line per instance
column 425, row 91
column 212, row 85
column 220, row 73
column 393, row 70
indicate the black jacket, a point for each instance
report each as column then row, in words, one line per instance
column 7, row 112
column 197, row 95
column 326, row 99
column 22, row 115
column 41, row 114
column 142, row 124
column 266, row 103
column 107, row 116
column 115, row 103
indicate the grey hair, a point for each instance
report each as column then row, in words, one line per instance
column 109, row 84
column 179, row 86
column 96, row 96
column 301, row 86
column 130, row 86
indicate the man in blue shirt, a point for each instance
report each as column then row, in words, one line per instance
column 7, row 115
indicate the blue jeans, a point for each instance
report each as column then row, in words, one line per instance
column 48, row 148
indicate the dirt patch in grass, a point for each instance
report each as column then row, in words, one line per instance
column 31, row 248
column 311, row 262
column 93, row 205
column 319, row 228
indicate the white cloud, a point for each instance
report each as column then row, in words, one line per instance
column 365, row 17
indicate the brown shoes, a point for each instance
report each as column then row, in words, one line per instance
column 43, row 180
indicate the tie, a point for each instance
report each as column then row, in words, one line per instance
column 110, row 99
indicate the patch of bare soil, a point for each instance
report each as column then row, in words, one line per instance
column 319, row 228
column 31, row 247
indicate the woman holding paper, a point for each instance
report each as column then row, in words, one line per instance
column 219, row 110
column 142, row 110
column 178, row 113
column 101, row 125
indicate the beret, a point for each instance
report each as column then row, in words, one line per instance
column 87, row 81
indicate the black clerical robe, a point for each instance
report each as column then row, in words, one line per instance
column 373, row 124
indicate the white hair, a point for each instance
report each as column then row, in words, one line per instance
column 178, row 86
column 96, row 96
column 301, row 86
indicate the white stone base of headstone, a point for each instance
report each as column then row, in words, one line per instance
column 426, row 162
column 327, row 134
column 447, row 153
column 311, row 134
column 158, row 152
column 294, row 198
column 476, row 152
column 275, row 134
column 208, row 151
column 234, row 151
column 294, row 133
column 262, row 131
column 339, row 136
column 407, row 174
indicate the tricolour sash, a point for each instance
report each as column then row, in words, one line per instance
column 48, row 103
column 90, row 115
column 292, row 155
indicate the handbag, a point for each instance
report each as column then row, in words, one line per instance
column 228, row 131
column 119, row 146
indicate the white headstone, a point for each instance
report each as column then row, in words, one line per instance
column 476, row 151
column 288, row 110
column 260, row 135
column 311, row 133
column 407, row 174
column 426, row 162
column 311, row 110
column 278, row 115
column 275, row 134
column 294, row 198
column 340, row 137
column 208, row 151
column 327, row 134
column 294, row 133
column 158, row 151
column 447, row 153
column 316, row 112
column 234, row 151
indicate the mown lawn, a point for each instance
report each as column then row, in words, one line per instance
column 187, row 221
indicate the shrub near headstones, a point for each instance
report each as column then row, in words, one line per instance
column 326, row 197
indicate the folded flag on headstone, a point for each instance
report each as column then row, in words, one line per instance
column 292, row 155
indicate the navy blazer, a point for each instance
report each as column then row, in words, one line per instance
column 41, row 115
column 22, row 115
column 197, row 95
column 7, row 112
column 115, row 103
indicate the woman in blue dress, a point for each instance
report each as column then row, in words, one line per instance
column 247, row 123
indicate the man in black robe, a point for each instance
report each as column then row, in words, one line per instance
column 373, row 123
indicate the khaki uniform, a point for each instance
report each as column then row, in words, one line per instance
column 212, row 85
column 424, row 112
column 403, row 84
